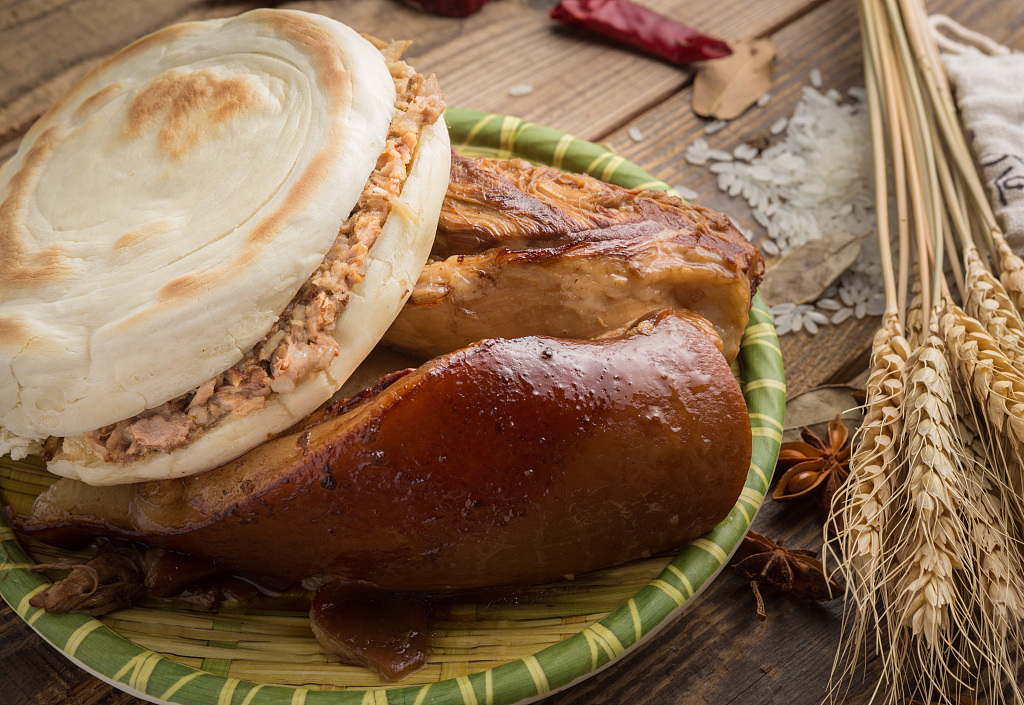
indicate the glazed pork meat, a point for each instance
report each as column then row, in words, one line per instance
column 524, row 249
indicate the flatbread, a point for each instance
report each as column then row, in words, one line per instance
column 156, row 221
column 394, row 263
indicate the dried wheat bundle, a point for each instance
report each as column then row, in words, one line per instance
column 931, row 517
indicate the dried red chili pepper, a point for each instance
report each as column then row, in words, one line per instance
column 641, row 28
column 451, row 8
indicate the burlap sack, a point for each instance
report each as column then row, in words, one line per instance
column 988, row 81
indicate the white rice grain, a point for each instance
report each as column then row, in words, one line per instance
column 841, row 315
column 520, row 89
column 635, row 134
column 814, row 181
column 715, row 126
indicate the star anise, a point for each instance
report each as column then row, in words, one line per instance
column 792, row 570
column 814, row 466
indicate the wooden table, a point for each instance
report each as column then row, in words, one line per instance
column 717, row 652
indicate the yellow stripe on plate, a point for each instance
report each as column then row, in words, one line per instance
column 635, row 614
column 466, row 688
column 540, row 679
column 227, row 691
column 181, row 682
column 742, row 510
column 765, row 342
column 488, row 687
column 252, row 694
column 131, row 665
column 538, row 674
column 471, row 135
column 751, row 495
column 422, row 695
column 656, row 185
column 683, row 579
column 507, row 134
column 764, row 383
column 13, row 566
column 592, row 643
column 78, row 636
column 593, row 165
column 564, row 142
column 140, row 676
column 32, row 620
column 299, row 696
column 608, row 640
column 760, row 473
column 375, row 697
column 611, row 167
column 759, row 330
column 770, row 419
column 763, row 432
column 669, row 590
column 713, row 548
column 23, row 606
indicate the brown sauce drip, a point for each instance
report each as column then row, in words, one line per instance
column 383, row 631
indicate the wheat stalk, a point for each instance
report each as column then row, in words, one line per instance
column 930, row 560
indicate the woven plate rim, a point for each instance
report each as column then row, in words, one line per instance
column 148, row 675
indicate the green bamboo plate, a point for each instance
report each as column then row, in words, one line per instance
column 574, row 629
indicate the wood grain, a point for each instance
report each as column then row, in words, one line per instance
column 581, row 85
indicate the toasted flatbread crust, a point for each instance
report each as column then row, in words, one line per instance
column 157, row 220
column 395, row 261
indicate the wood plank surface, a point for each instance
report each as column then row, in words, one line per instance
column 583, row 87
column 717, row 652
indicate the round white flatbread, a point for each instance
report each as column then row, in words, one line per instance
column 156, row 221
column 393, row 265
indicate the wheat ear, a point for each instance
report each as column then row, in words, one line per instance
column 862, row 513
column 927, row 612
column 996, row 558
column 1011, row 272
column 995, row 385
column 987, row 301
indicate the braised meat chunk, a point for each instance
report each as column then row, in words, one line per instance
column 524, row 249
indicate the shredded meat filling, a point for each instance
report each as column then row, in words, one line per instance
column 300, row 342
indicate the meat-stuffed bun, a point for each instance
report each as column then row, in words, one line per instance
column 205, row 236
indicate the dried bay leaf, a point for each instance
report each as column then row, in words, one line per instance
column 816, row 407
column 804, row 272
column 725, row 87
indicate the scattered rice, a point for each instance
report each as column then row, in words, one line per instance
column 814, row 181
column 779, row 126
column 635, row 134
column 745, row 152
column 715, row 126
column 520, row 89
column 763, row 100
column 816, row 77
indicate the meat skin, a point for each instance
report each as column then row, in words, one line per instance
column 524, row 249
column 513, row 461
